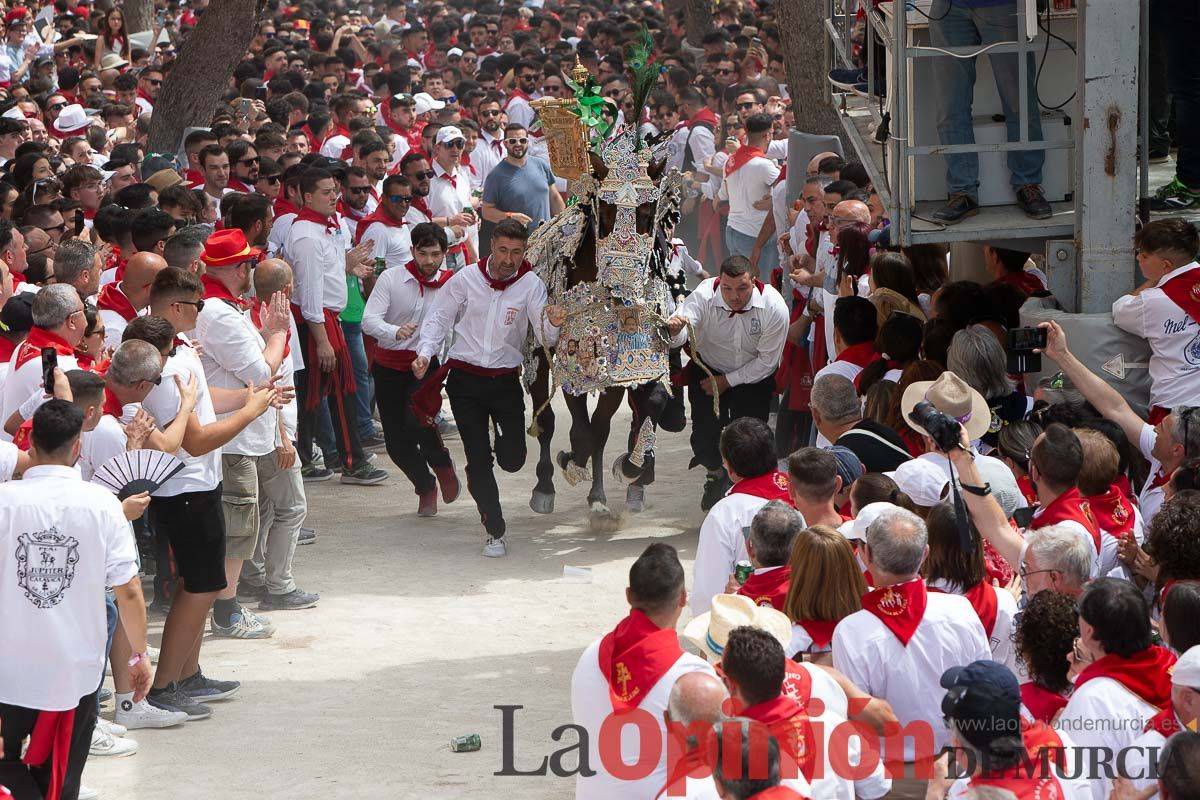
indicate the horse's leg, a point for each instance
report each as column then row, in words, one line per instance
column 601, row 425
column 542, row 499
column 573, row 463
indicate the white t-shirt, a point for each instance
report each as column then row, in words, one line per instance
column 104, row 442
column 1171, row 334
column 743, row 188
column 61, row 542
column 392, row 243
column 1103, row 713
column 199, row 473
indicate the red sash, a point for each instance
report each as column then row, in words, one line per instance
column 741, row 157
column 215, row 290
column 425, row 282
column 770, row 486
column 1165, row 722
column 427, row 400
column 1042, row 703
column 112, row 406
column 501, row 285
column 1184, row 291
column 256, row 318
column 1146, row 674
column 900, row 607
column 797, row 683
column 378, row 215
column 1112, row 511
column 341, row 379
column 983, row 599
column 859, row 354
column 51, row 741
column 1024, row 280
column 38, row 338
column 1068, row 506
column 113, row 299
column 768, row 588
column 790, row 726
column 819, row 630
column 399, row 360
column 330, row 223
column 634, row 656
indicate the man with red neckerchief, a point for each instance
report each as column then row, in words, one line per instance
column 769, row 546
column 398, row 113
column 121, row 301
column 1182, row 713
column 393, row 316
column 749, row 176
column 854, row 328
column 995, row 747
column 528, row 77
column 905, row 637
column 287, row 207
column 740, row 326
column 635, row 666
column 387, row 226
column 748, row 453
column 495, row 302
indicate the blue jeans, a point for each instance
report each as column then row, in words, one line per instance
column 110, row 612
column 362, row 378
column 955, row 25
column 737, row 243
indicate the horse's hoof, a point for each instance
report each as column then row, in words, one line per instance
column 542, row 502
column 572, row 472
column 603, row 519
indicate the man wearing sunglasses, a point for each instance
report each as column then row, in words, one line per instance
column 243, row 166
column 529, row 75
column 149, row 84
column 450, row 195
column 489, row 151
column 388, row 227
column 520, row 187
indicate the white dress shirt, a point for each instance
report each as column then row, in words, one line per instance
column 1103, row 713
column 8, row 461
column 397, row 298
column 1171, row 333
column 61, row 542
column 318, row 259
column 744, row 347
column 519, row 111
column 199, row 473
column 1001, row 639
column 448, row 198
column 701, row 146
column 392, row 243
column 21, row 383
column 491, row 324
column 280, row 229
column 743, row 188
column 231, row 350
column 487, row 154
column 1150, row 498
column 909, row 677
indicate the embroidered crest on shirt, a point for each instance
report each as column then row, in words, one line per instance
column 623, row 678
column 46, row 565
column 755, row 327
column 510, row 316
column 892, row 603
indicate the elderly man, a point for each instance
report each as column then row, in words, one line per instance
column 697, row 699
column 119, row 302
column 837, row 414
column 846, row 212
column 58, row 323
column 450, row 195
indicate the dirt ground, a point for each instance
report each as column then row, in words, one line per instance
column 416, row 639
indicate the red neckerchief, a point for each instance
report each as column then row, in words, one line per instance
column 501, row 285
column 424, row 282
column 345, row 210
column 900, row 607
column 215, row 290
column 768, row 588
column 983, row 599
column 338, row 130
column 704, row 116
column 38, row 338
column 379, row 215
column 51, row 741
column 1165, row 722
column 1026, row 281
column 194, row 178
column 778, row 792
column 142, row 95
column 1042, row 703
column 497, row 145
column 782, row 174
column 1146, row 674
column 1026, row 486
column 285, row 206
column 1112, row 511
column 256, row 318
column 515, row 94
column 797, row 683
column 7, row 348
column 314, row 144
column 790, row 726
column 112, row 406
column 634, row 656
column 769, row 486
column 238, row 185
column 113, row 299
column 449, row 176
column 422, row 204
column 329, row 223
column 1068, row 506
column 716, row 287
column 859, row 354
column 1160, row 479
column 1184, row 291
column 741, row 156
column 819, row 630
column 693, row 765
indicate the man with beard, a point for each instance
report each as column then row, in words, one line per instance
column 415, row 167
column 149, row 83
column 489, row 151
column 357, row 200
column 373, row 159
column 243, row 163
column 520, row 187
column 529, row 77
column 389, row 227
column 450, row 195
column 400, row 116
column 356, row 205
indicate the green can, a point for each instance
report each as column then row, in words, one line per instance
column 380, row 265
column 742, row 571
column 466, row 744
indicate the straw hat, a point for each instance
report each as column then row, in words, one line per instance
column 710, row 631
column 951, row 395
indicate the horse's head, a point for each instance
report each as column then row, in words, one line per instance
column 642, row 185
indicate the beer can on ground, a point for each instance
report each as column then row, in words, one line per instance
column 466, row 744
column 742, row 571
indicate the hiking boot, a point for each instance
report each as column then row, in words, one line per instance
column 1175, row 196
column 1033, row 202
column 958, row 207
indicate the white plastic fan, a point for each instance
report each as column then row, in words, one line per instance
column 136, row 471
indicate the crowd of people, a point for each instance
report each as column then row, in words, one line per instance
column 899, row 530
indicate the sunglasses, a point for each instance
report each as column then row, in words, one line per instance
column 746, row 106
column 457, row 144
column 154, row 82
column 399, row 199
column 358, row 189
column 450, row 98
column 270, row 179
column 199, row 304
column 249, row 161
column 430, row 174
column 522, row 140
column 491, row 113
column 55, row 107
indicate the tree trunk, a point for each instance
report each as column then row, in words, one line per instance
column 801, row 23
column 200, row 75
column 698, row 16
column 139, row 15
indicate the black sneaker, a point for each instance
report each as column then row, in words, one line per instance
column 364, row 475
column 372, row 442
column 315, row 474
column 715, row 487
column 1033, row 202
column 306, row 536
column 1175, row 196
column 198, row 687
column 171, row 698
column 291, row 601
column 957, row 208
column 248, row 593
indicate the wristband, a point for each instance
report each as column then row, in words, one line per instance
column 980, row 491
column 138, row 657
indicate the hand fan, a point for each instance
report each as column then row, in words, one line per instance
column 136, row 471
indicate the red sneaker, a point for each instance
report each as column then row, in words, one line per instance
column 427, row 505
column 447, row 478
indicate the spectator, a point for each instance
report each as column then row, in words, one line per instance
column 827, row 586
column 769, row 546
column 520, row 186
column 1044, row 640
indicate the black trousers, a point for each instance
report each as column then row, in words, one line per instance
column 1160, row 98
column 485, row 407
column 31, row 783
column 410, row 444
column 746, row 400
column 1183, row 80
column 342, row 410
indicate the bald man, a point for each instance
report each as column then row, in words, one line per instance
column 814, row 164
column 120, row 302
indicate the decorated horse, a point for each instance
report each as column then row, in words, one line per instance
column 605, row 259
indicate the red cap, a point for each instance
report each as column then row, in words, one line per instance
column 227, row 247
column 17, row 13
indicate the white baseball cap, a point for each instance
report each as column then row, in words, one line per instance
column 1187, row 669
column 449, row 134
column 921, row 480
column 424, row 102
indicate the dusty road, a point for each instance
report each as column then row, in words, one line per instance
column 416, row 639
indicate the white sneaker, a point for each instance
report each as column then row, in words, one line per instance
column 88, row 793
column 243, row 624
column 495, row 548
column 104, row 744
column 143, row 715
column 113, row 728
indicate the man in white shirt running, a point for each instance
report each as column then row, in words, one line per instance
column 749, row 176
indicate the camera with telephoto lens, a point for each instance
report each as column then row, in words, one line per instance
column 1021, row 345
column 940, row 426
